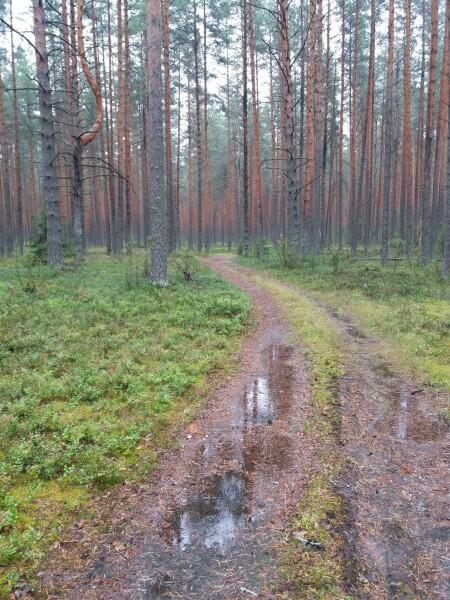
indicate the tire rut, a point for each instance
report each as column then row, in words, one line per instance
column 395, row 481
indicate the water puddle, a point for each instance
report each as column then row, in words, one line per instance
column 252, row 453
column 259, row 404
column 402, row 414
column 411, row 421
column 214, row 516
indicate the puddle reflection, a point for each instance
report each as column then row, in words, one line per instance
column 213, row 518
column 252, row 449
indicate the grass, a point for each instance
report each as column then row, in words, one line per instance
column 406, row 306
column 96, row 369
column 309, row 574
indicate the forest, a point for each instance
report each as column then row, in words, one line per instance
column 224, row 299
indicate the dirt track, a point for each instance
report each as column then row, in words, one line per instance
column 207, row 525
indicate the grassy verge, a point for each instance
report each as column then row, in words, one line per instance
column 311, row 574
column 96, row 369
column 406, row 306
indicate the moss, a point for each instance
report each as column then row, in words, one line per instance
column 97, row 371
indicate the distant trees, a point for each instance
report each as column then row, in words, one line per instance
column 299, row 119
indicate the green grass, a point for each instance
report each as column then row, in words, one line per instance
column 97, row 368
column 406, row 306
column 309, row 574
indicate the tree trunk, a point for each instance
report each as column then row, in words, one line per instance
column 7, row 229
column 293, row 225
column 207, row 184
column 178, row 165
column 275, row 229
column 119, row 128
column 83, row 139
column 127, row 135
column 168, row 127
column 323, row 194
column 407, row 166
column 318, row 136
column 257, row 180
column 198, row 134
column 388, row 139
column 54, row 241
column 429, row 135
column 446, row 261
column 341, row 134
column 354, row 118
column 440, row 157
column 310, row 170
column 17, row 150
column 158, row 208
column 190, row 171
column 245, row 177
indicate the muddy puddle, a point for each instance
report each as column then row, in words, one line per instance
column 411, row 418
column 222, row 504
column 218, row 512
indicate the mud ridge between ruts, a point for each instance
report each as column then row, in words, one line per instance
column 209, row 522
column 395, row 482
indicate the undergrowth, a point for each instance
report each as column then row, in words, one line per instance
column 96, row 366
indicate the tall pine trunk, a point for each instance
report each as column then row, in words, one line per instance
column 388, row 139
column 158, row 206
column 427, row 248
column 293, row 218
column 245, row 175
column 47, row 129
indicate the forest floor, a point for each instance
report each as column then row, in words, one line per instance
column 317, row 470
column 98, row 371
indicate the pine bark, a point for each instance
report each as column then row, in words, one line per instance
column 168, row 128
column 158, row 205
column 353, row 123
column 429, row 135
column 245, row 175
column 341, row 136
column 293, row 224
column 127, row 132
column 198, row 137
column 17, row 148
column 310, row 168
column 446, row 259
column 388, row 139
column 7, row 228
column 207, row 184
column 257, row 178
column 47, row 128
column 407, row 159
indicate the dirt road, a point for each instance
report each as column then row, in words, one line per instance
column 208, row 524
